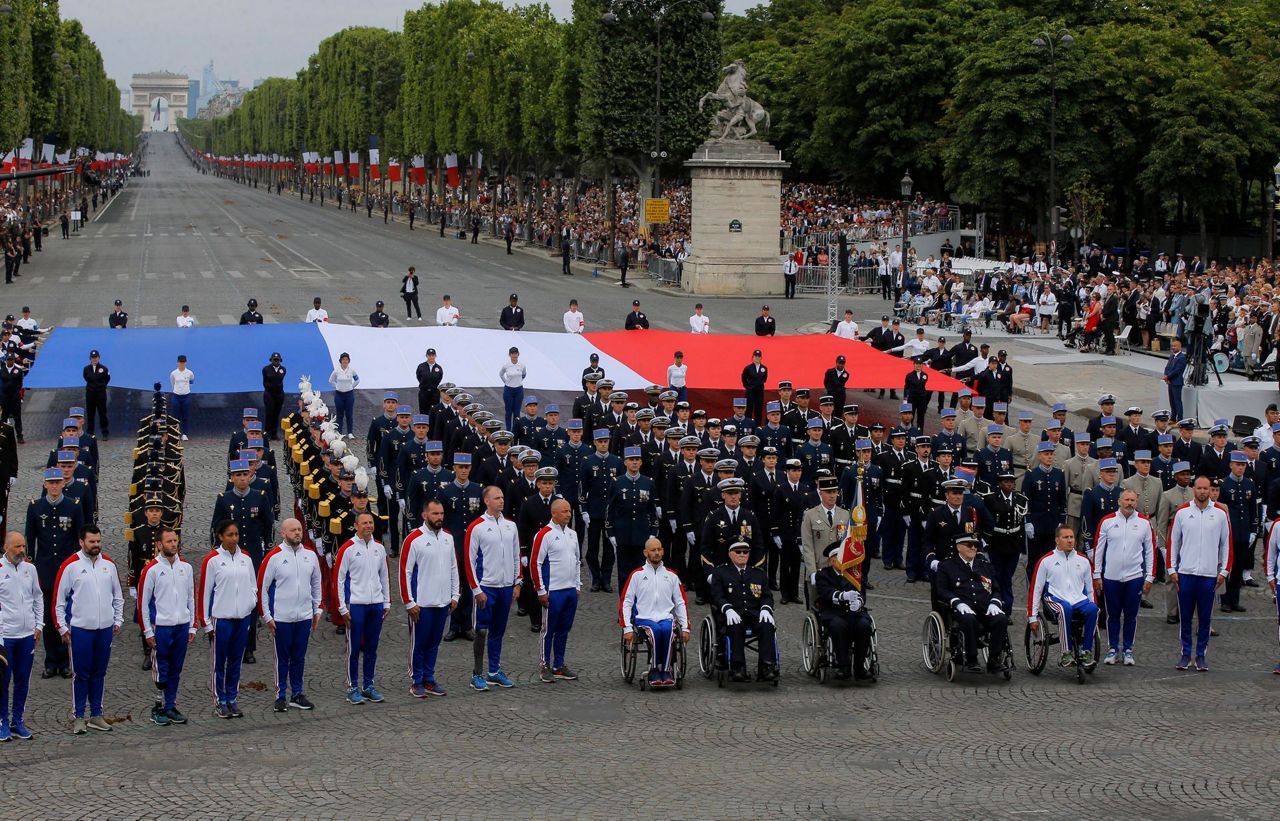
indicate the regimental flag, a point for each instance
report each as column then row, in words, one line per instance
column 353, row 164
column 419, row 171
column 375, row 168
column 853, row 551
column 393, row 169
column 451, row 170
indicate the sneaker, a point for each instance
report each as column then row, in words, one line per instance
column 301, row 702
column 655, row 678
column 175, row 717
column 159, row 716
column 418, row 691
column 501, row 679
column 78, row 727
column 434, row 689
column 222, row 711
column 1202, row 666
column 19, row 729
column 4, row 732
column 371, row 694
column 478, row 683
column 1086, row 658
column 546, row 676
column 354, row 696
column 281, row 705
column 1183, row 663
column 565, row 673
column 1112, row 657
column 99, row 723
column 1128, row 658
column 1066, row 661
column 235, row 710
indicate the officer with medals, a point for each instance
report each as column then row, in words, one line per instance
column 53, row 536
column 815, row 454
column 994, row 459
column 963, row 585
column 1045, row 489
column 426, row 483
column 842, row 610
column 463, row 502
column 251, row 511
column 739, row 591
column 1006, row 536
column 631, row 516
column 958, row 517
column 730, row 523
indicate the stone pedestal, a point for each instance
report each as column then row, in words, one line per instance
column 737, row 193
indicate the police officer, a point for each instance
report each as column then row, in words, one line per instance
column 426, row 483
column 273, row 394
column 463, row 502
column 740, row 593
column 251, row 315
column 96, row 378
column 915, row 390
column 430, row 374
column 250, row 509
column 815, row 454
column 842, row 610
column 1099, row 500
column 379, row 318
column 600, row 470
column 994, row 459
column 729, row 523
column 631, row 517
column 1006, row 537
column 1045, row 489
column 1239, row 495
column 53, row 535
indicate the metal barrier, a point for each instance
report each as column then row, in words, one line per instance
column 665, row 270
column 813, row 279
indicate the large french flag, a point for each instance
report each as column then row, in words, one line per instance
column 418, row 172
column 451, row 169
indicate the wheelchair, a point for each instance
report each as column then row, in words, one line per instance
column 1037, row 644
column 942, row 646
column 713, row 650
column 817, row 654
column 641, row 646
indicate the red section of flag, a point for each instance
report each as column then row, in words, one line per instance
column 375, row 173
column 393, row 172
column 451, row 168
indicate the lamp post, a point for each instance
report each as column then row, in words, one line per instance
column 1050, row 44
column 907, row 185
column 656, row 10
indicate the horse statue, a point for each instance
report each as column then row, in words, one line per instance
column 739, row 115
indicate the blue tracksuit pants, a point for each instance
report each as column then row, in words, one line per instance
column 424, row 641
column 1067, row 613
column 230, row 637
column 1122, row 600
column 290, row 647
column 1195, row 593
column 21, row 653
column 660, row 640
column 167, row 658
column 90, row 654
column 562, row 606
column 493, row 619
column 363, row 632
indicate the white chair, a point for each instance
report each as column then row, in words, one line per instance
column 1122, row 341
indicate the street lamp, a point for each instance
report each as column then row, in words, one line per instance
column 1045, row 42
column 906, row 185
column 656, row 9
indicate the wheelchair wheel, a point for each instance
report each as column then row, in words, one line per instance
column 629, row 654
column 1036, row 646
column 707, row 647
column 679, row 662
column 933, row 642
column 1007, row 659
column 873, row 654
column 809, row 645
column 952, row 669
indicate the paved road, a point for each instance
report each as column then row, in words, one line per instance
column 1139, row 742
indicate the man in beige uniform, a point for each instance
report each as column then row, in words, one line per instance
column 1081, row 473
column 821, row 525
column 1022, row 443
column 1172, row 499
column 1148, row 487
column 1061, row 452
column 974, row 427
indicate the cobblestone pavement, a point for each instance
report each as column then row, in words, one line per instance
column 1141, row 742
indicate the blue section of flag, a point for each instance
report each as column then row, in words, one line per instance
column 225, row 359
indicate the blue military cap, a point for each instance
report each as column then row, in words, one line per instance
column 632, row 453
column 531, row 400
column 76, row 411
column 52, row 474
column 815, row 422
column 1275, row 428
column 776, row 407
column 966, row 392
column 253, row 426
column 421, row 419
column 739, row 401
column 1142, row 455
column 69, row 423
column 1000, row 407
column 248, row 455
column 390, row 395
column 1221, row 423
column 238, row 466
column 434, row 446
column 862, row 444
column 1106, row 420
column 1105, row 442
column 1058, row 407
column 574, row 424
column 1083, row 437
column 1239, row 456
column 254, row 442
column 600, row 433
column 462, row 458
column 1045, row 446
column 979, row 402
column 1108, row 464
column 1053, row 424
column 948, row 413
column 994, row 430
column 906, row 407
column 1025, row 416
column 68, row 455
column 404, row 410
column 249, row 413
column 1164, row 439
column 70, row 442
column 1181, row 467
column 551, row 409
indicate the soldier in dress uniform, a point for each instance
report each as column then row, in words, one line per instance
column 791, row 498
column 963, row 585
column 1080, row 473
column 893, row 527
column 994, row 459
column 916, row 390
column 251, row 511
column 426, row 483
column 463, row 502
column 739, row 590
column 773, row 433
column 273, row 374
column 797, row 417
column 1239, row 495
column 729, row 523
column 1022, row 443
column 1163, row 461
column 841, row 608
column 549, row 438
column 534, row 514
column 1006, row 538
column 1172, row 499
column 1045, row 489
column 958, row 516
column 949, row 437
column 815, row 454
column 631, row 516
column 1099, row 500
column 600, row 470
column 822, row 524
column 53, row 536
column 429, row 375
column 528, row 422
column 917, row 501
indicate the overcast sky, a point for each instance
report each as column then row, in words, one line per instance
column 246, row 39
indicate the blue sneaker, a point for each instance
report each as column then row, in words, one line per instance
column 371, row 694
column 20, row 730
column 478, row 683
column 418, row 691
column 501, row 679
column 4, row 731
column 354, row 696
column 434, row 689
column 1183, row 663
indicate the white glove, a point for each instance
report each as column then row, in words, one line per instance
column 933, row 566
column 853, row 598
column 658, row 509
column 994, row 609
column 731, row 617
column 524, row 561
column 964, row 609
column 613, row 540
column 133, row 592
column 373, row 474
column 765, row 617
column 672, row 522
column 778, row 541
column 906, row 520
column 13, row 480
column 692, row 538
column 386, row 491
column 586, row 520
column 1031, row 530
column 314, row 538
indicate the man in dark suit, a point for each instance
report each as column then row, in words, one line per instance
column 1174, row 372
column 754, row 377
column 765, row 324
column 915, row 390
column 834, row 381
column 1110, row 321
